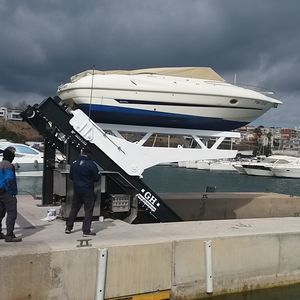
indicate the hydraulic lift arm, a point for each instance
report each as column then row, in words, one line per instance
column 56, row 122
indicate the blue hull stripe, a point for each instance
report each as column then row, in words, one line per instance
column 140, row 117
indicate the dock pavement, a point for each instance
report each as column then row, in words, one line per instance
column 36, row 231
column 247, row 254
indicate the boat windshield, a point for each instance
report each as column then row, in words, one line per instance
column 21, row 149
column 25, row 149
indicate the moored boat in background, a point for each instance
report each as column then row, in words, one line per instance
column 262, row 166
column 222, row 165
column 28, row 161
column 288, row 170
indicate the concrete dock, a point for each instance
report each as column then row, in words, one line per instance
column 147, row 261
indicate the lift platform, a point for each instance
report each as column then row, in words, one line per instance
column 123, row 162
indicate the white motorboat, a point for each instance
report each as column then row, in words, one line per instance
column 289, row 170
column 262, row 166
column 222, row 165
column 209, row 165
column 238, row 165
column 28, row 161
column 187, row 98
column 203, row 165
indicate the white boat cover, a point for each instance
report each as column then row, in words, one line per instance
column 188, row 72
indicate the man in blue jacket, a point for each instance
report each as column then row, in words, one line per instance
column 84, row 173
column 8, row 192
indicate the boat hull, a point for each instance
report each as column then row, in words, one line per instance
column 28, row 168
column 240, row 169
column 287, row 172
column 258, row 170
column 222, row 166
column 153, row 118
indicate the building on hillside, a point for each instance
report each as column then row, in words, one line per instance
column 14, row 116
column 288, row 133
column 3, row 112
column 10, row 114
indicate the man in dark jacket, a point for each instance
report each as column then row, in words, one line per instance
column 8, row 192
column 84, row 173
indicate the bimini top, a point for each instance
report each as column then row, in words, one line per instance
column 188, row 72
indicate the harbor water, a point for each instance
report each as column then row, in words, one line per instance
column 174, row 179
column 291, row 292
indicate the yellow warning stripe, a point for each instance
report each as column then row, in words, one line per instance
column 161, row 295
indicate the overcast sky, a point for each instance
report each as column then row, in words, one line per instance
column 43, row 43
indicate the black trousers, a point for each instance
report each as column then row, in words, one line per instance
column 88, row 200
column 8, row 204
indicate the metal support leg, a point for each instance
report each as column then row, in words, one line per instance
column 49, row 161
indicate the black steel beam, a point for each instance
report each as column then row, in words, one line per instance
column 51, row 119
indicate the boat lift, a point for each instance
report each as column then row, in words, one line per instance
column 120, row 161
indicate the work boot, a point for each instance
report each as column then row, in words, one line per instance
column 89, row 233
column 68, row 231
column 12, row 238
column 2, row 236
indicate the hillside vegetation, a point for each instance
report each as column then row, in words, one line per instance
column 18, row 131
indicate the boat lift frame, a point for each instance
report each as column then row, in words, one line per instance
column 120, row 160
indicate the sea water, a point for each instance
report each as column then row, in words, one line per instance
column 291, row 292
column 174, row 179
column 30, row 185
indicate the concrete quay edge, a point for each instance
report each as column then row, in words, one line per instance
column 147, row 260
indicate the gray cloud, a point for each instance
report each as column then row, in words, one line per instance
column 43, row 43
